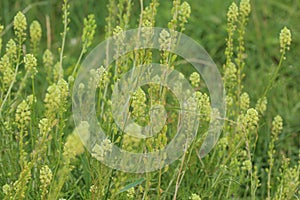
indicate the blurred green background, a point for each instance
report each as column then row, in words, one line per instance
column 207, row 26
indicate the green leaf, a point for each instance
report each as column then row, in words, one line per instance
column 130, row 185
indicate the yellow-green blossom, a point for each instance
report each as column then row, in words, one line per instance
column 6, row 189
column 35, row 32
column 244, row 101
column 30, row 64
column 277, row 125
column 100, row 151
column 195, row 79
column 232, row 13
column 48, row 58
column 285, row 39
column 45, row 179
column 184, row 12
column 11, row 50
column 139, row 104
column 195, row 197
column 130, row 193
column 23, row 114
column 251, row 118
column 245, row 8
column 20, row 26
column 72, row 147
column 165, row 40
column 261, row 105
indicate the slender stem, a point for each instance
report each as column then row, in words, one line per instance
column 147, row 185
column 178, row 177
column 78, row 61
column 48, row 28
column 274, row 75
column 33, row 113
column 22, row 85
column 109, row 183
column 64, row 35
column 21, row 149
column 271, row 162
column 159, row 183
column 34, row 95
column 9, row 89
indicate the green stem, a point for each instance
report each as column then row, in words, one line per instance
column 22, row 85
column 159, row 183
column 64, row 35
column 271, row 162
column 274, row 75
column 79, row 59
column 9, row 89
column 147, row 185
column 109, row 183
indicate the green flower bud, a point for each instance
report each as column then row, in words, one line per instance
column 88, row 31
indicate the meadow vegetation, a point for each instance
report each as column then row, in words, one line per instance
column 41, row 154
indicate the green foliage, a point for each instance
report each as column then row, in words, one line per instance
column 41, row 155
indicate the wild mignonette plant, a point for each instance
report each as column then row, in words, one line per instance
column 43, row 157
